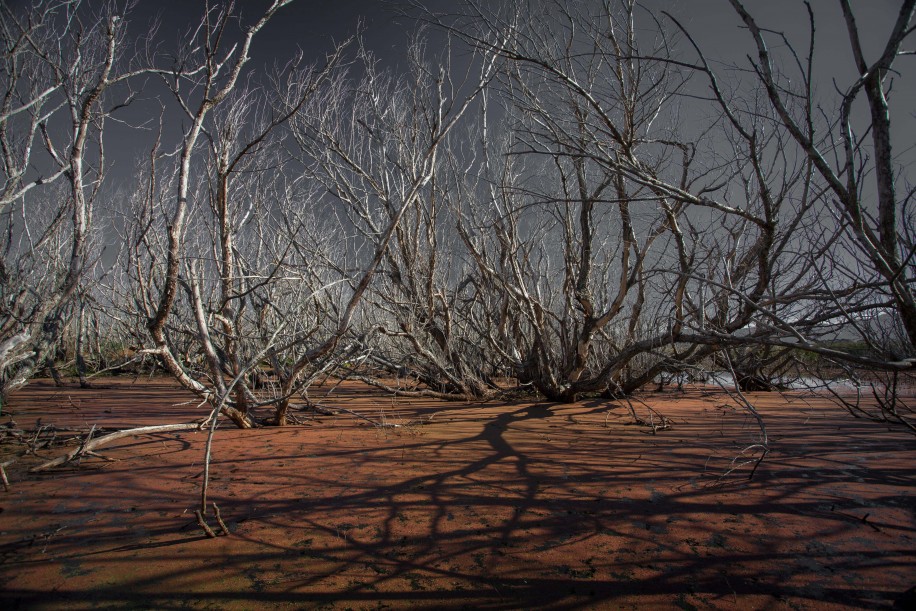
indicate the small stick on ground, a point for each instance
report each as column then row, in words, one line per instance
column 865, row 521
column 6, row 482
column 100, row 456
column 84, row 447
column 219, row 520
column 381, row 425
column 203, row 524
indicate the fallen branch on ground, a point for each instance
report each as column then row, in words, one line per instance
column 88, row 446
column 6, row 481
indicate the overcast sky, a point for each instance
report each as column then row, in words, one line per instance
column 315, row 25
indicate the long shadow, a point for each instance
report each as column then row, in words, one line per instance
column 529, row 507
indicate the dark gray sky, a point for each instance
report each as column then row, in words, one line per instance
column 315, row 25
column 311, row 25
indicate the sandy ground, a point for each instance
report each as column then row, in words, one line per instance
column 489, row 506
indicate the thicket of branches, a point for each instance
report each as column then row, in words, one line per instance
column 579, row 204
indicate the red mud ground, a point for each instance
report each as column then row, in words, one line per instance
column 485, row 506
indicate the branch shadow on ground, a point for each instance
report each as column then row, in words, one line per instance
column 502, row 507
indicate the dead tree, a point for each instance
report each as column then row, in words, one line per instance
column 874, row 216
column 60, row 64
column 417, row 313
column 234, row 248
column 712, row 196
column 202, row 82
column 377, row 155
column 589, row 239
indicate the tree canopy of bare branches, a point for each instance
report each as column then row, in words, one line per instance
column 586, row 203
column 65, row 71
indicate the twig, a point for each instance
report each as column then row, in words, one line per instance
column 381, row 425
column 83, row 449
column 33, row 445
column 218, row 408
column 139, row 357
column 101, row 456
column 203, row 524
column 664, row 423
column 764, row 443
column 6, row 482
column 324, row 411
column 219, row 520
column 214, row 419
